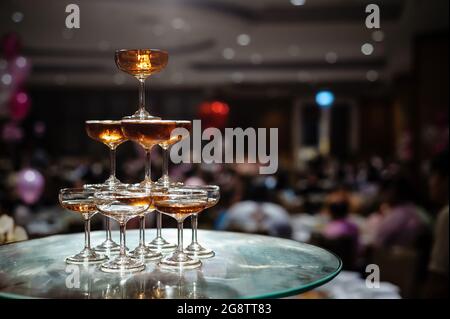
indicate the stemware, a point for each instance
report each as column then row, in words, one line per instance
column 195, row 249
column 110, row 134
column 179, row 205
column 141, row 63
column 184, row 128
column 149, row 133
column 142, row 250
column 82, row 201
column 122, row 205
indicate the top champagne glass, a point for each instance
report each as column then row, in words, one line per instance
column 141, row 63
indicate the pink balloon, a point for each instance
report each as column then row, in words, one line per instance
column 30, row 185
column 19, row 105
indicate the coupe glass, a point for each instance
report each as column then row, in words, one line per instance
column 141, row 63
column 142, row 251
column 82, row 201
column 109, row 133
column 179, row 205
column 164, row 181
column 195, row 249
column 149, row 133
column 122, row 205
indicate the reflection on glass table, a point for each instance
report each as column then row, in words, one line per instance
column 245, row 266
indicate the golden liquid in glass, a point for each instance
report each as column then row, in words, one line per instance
column 135, row 201
column 141, row 62
column 176, row 138
column 107, row 132
column 148, row 132
column 179, row 209
column 81, row 206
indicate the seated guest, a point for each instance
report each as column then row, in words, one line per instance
column 255, row 214
column 402, row 222
column 337, row 208
column 340, row 234
column 437, row 277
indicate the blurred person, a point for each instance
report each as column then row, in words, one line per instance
column 340, row 234
column 437, row 278
column 338, row 208
column 255, row 214
column 402, row 223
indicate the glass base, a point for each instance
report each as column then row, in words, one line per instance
column 179, row 261
column 123, row 264
column 107, row 186
column 108, row 245
column 113, row 181
column 86, row 256
column 160, row 244
column 197, row 251
column 166, row 183
column 144, row 252
column 141, row 114
column 146, row 184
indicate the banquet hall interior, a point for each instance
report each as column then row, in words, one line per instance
column 361, row 112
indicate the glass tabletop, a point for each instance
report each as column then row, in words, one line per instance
column 245, row 266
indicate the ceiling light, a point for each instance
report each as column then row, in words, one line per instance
column 372, row 75
column 17, row 16
column 331, row 57
column 367, row 49
column 324, row 98
column 297, row 2
column 243, row 39
column 228, row 53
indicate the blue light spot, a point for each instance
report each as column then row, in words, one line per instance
column 324, row 98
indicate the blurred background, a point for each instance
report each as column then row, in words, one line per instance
column 362, row 118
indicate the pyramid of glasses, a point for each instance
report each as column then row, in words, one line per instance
column 122, row 202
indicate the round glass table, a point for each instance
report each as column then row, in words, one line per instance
column 245, row 266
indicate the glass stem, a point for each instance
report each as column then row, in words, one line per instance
column 122, row 239
column 112, row 160
column 87, row 233
column 158, row 225
column 180, row 236
column 108, row 228
column 148, row 166
column 165, row 176
column 194, row 225
column 141, row 95
column 142, row 231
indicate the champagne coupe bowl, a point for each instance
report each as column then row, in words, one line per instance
column 147, row 133
column 179, row 205
column 82, row 201
column 122, row 205
column 109, row 133
column 141, row 63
